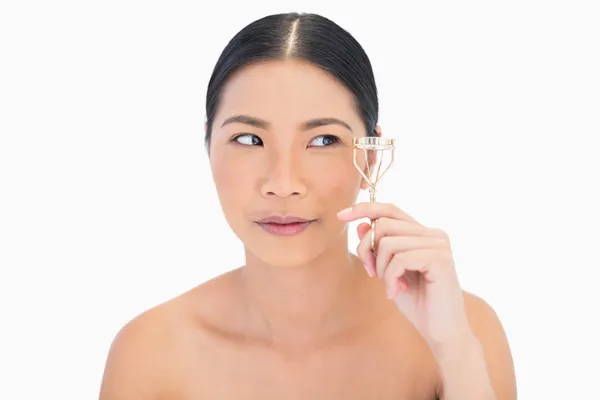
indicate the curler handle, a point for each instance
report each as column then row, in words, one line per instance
column 373, row 221
column 373, row 224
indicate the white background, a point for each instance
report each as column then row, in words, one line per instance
column 108, row 208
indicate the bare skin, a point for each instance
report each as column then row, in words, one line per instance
column 199, row 346
column 301, row 319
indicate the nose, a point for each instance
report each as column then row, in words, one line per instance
column 283, row 177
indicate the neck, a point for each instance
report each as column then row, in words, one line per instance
column 304, row 304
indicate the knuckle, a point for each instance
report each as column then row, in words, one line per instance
column 384, row 249
column 441, row 234
column 396, row 266
column 381, row 225
column 385, row 242
column 392, row 208
column 448, row 256
column 397, row 259
column 360, row 249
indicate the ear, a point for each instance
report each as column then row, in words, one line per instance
column 371, row 163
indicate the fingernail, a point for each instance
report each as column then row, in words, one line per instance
column 344, row 212
column 368, row 271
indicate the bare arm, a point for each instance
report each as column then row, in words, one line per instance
column 479, row 367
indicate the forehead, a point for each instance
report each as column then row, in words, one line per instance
column 286, row 91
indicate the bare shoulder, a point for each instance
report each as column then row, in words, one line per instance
column 488, row 329
column 153, row 351
column 484, row 320
column 133, row 365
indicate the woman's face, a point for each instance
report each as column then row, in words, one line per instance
column 282, row 146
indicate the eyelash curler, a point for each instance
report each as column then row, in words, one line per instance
column 373, row 147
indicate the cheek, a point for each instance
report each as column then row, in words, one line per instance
column 336, row 180
column 231, row 181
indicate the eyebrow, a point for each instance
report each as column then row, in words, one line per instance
column 262, row 124
column 247, row 120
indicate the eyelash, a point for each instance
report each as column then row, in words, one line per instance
column 335, row 139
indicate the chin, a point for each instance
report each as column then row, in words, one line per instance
column 282, row 251
column 284, row 255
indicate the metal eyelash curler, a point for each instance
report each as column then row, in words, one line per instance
column 373, row 146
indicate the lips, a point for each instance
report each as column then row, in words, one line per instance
column 284, row 225
column 276, row 219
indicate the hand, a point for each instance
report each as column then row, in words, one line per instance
column 417, row 266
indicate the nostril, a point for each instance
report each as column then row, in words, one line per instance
column 290, row 194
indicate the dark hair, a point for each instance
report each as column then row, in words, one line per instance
column 311, row 37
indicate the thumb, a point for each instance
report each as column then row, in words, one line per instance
column 362, row 229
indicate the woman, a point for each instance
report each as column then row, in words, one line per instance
column 304, row 318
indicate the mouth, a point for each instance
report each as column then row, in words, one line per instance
column 285, row 226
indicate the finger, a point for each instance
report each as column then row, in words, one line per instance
column 374, row 210
column 389, row 246
column 362, row 229
column 398, row 285
column 423, row 261
column 402, row 283
column 366, row 256
column 394, row 277
column 364, row 252
column 398, row 227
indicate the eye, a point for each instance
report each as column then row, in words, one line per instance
column 247, row 139
column 324, row 141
